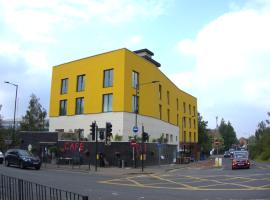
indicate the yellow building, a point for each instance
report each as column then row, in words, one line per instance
column 102, row 88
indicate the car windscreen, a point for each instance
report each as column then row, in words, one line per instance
column 24, row 153
column 241, row 155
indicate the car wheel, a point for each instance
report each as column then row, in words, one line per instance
column 21, row 165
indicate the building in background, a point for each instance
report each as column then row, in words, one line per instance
column 102, row 88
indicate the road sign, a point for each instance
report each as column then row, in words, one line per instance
column 135, row 129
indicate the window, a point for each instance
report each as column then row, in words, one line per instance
column 135, row 79
column 177, row 120
column 160, row 111
column 184, row 107
column 134, row 103
column 194, row 139
column 168, row 112
column 189, row 109
column 107, row 102
column 171, row 138
column 168, row 97
column 194, row 123
column 80, row 83
column 64, row 86
column 63, row 107
column 194, row 111
column 189, row 123
column 79, row 105
column 167, row 137
column 176, row 138
column 189, row 136
column 177, row 106
column 108, row 78
column 160, row 92
column 185, row 136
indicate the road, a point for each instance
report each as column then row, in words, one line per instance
column 182, row 183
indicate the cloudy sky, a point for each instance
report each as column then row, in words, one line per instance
column 219, row 51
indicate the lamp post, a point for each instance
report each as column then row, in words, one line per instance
column 136, row 117
column 137, row 103
column 14, row 125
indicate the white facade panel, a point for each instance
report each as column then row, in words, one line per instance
column 122, row 124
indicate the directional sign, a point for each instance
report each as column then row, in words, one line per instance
column 135, row 129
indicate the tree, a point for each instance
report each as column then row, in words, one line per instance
column 228, row 134
column 259, row 149
column 34, row 119
column 204, row 139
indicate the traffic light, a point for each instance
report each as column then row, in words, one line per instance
column 108, row 131
column 101, row 135
column 93, row 130
column 145, row 137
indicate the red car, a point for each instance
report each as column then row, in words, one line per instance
column 240, row 160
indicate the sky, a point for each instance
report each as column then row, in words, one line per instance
column 218, row 51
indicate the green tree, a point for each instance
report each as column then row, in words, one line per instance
column 228, row 134
column 34, row 119
column 259, row 149
column 204, row 139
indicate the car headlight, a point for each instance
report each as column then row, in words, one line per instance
column 26, row 159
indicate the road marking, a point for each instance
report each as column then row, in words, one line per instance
column 188, row 185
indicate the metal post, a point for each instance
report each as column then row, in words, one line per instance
column 96, row 133
column 79, row 134
column 142, row 148
column 15, row 107
column 137, row 105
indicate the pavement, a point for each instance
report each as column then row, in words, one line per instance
column 116, row 171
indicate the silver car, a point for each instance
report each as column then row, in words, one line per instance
column 1, row 157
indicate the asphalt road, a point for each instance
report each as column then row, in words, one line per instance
column 182, row 183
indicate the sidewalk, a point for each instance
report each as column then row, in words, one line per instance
column 115, row 171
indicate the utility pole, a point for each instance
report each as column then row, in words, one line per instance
column 96, row 133
column 142, row 148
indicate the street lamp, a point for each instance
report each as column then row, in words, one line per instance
column 136, row 115
column 137, row 103
column 14, row 126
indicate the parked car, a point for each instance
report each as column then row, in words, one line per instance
column 240, row 160
column 21, row 158
column 1, row 157
column 227, row 154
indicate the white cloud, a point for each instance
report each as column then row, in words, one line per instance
column 232, row 59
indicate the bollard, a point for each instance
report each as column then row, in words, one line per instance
column 216, row 162
column 220, row 162
column 123, row 164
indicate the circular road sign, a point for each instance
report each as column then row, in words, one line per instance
column 135, row 129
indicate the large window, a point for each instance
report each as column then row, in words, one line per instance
column 108, row 78
column 134, row 103
column 189, row 109
column 194, row 111
column 107, row 102
column 177, row 120
column 194, row 139
column 135, row 79
column 189, row 123
column 184, row 122
column 80, row 83
column 177, row 104
column 168, row 97
column 160, row 91
column 184, row 107
column 189, row 137
column 64, row 86
column 79, row 105
column 63, row 107
column 168, row 113
column 160, row 111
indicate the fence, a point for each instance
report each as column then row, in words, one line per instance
column 12, row 188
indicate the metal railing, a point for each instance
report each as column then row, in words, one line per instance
column 12, row 188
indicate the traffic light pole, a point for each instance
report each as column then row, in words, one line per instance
column 96, row 147
column 142, row 148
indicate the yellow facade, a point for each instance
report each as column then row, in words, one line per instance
column 124, row 62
